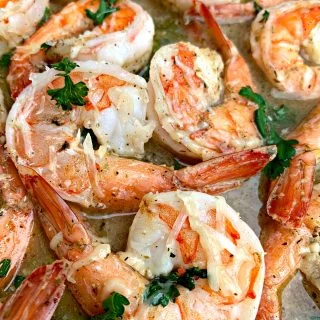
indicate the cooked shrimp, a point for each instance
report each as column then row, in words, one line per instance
column 18, row 20
column 184, row 229
column 16, row 220
column 186, row 86
column 125, row 38
column 183, row 222
column 38, row 295
column 285, row 45
column 48, row 139
column 3, row 118
column 287, row 251
column 291, row 193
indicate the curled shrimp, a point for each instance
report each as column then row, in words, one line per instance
column 16, row 219
column 38, row 295
column 287, row 251
column 18, row 20
column 291, row 193
column 198, row 111
column 48, row 139
column 125, row 38
column 285, row 47
column 188, row 221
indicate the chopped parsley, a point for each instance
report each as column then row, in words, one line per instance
column 5, row 60
column 71, row 93
column 105, row 9
column 265, row 16
column 4, row 267
column 113, row 307
column 46, row 15
column 286, row 150
column 163, row 289
column 18, row 280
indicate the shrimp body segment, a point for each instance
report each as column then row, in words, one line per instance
column 16, row 218
column 286, row 48
column 291, row 193
column 57, row 145
column 96, row 273
column 18, row 20
column 38, row 295
column 124, row 38
column 198, row 111
column 185, row 229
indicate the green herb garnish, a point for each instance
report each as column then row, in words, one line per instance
column 113, row 307
column 18, row 280
column 4, row 267
column 5, row 60
column 286, row 151
column 265, row 16
column 71, row 93
column 46, row 15
column 163, row 289
column 105, row 9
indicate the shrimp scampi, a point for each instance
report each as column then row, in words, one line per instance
column 286, row 48
column 56, row 143
column 195, row 99
column 190, row 228
column 124, row 38
column 18, row 20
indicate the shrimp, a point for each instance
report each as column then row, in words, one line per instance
column 38, row 295
column 285, row 47
column 183, row 222
column 125, row 38
column 18, row 20
column 186, row 85
column 48, row 139
column 16, row 220
column 291, row 193
column 287, row 251
column 3, row 118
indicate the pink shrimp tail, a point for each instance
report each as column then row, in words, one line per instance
column 38, row 295
column 290, row 197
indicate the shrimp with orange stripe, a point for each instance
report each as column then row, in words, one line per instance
column 284, row 43
column 123, row 37
column 195, row 100
column 77, row 150
column 18, row 20
column 172, row 230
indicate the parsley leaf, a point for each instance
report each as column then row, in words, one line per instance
column 265, row 16
column 71, row 93
column 162, row 289
column 4, row 267
column 65, row 65
column 286, row 151
column 18, row 280
column 5, row 60
column 113, row 307
column 46, row 15
column 105, row 9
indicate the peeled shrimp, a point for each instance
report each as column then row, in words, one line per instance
column 18, row 20
column 16, row 219
column 46, row 138
column 286, row 48
column 125, row 38
column 290, row 194
column 198, row 111
column 38, row 295
column 287, row 251
column 185, row 224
